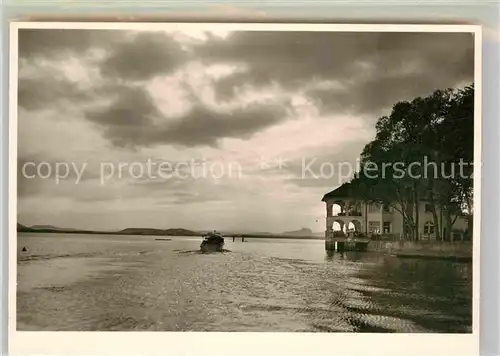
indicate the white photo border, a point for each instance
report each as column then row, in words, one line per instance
column 207, row 343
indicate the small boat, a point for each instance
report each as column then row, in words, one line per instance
column 212, row 242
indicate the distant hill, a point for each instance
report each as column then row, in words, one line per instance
column 50, row 227
column 128, row 231
column 181, row 232
column 304, row 232
column 22, row 228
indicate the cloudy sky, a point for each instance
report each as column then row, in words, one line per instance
column 232, row 118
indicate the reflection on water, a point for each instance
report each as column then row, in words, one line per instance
column 91, row 282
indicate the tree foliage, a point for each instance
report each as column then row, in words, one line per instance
column 423, row 151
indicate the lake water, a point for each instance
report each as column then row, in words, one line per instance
column 105, row 282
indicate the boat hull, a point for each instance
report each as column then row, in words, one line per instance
column 211, row 247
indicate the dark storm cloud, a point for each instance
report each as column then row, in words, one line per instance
column 290, row 58
column 128, row 55
column 204, row 126
column 134, row 120
column 132, row 107
column 373, row 71
column 38, row 93
column 145, row 56
column 49, row 88
column 378, row 93
column 53, row 42
column 392, row 66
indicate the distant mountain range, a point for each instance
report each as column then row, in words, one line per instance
column 128, row 231
column 50, row 227
column 22, row 228
column 302, row 233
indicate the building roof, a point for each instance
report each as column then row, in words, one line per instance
column 344, row 191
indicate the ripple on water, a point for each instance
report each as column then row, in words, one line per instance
column 143, row 285
column 391, row 324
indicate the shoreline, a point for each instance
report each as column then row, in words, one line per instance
column 428, row 250
column 451, row 258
